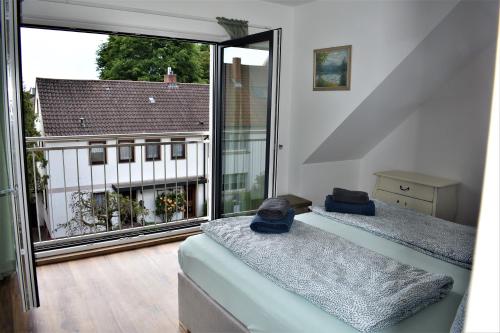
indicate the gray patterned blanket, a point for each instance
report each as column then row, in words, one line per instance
column 361, row 287
column 445, row 240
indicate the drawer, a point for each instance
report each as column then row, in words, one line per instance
column 421, row 206
column 406, row 188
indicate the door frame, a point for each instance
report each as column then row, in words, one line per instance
column 273, row 37
column 16, row 148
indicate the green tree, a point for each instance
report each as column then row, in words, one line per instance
column 147, row 59
column 40, row 161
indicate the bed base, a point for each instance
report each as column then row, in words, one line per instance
column 200, row 313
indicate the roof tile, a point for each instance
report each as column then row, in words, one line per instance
column 121, row 107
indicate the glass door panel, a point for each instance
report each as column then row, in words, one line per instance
column 12, row 140
column 246, row 68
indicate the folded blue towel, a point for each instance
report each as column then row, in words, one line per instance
column 265, row 226
column 341, row 207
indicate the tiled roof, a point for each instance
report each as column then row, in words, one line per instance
column 121, row 107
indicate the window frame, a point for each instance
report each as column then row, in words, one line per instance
column 183, row 156
column 149, row 142
column 132, row 151
column 91, row 162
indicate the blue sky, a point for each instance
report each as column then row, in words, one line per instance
column 58, row 54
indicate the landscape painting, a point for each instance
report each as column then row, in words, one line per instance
column 332, row 68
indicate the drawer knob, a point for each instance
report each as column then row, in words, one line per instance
column 404, row 188
column 397, row 201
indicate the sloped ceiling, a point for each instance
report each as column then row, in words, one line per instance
column 469, row 28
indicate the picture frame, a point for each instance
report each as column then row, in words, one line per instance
column 332, row 68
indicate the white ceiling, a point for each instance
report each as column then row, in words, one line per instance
column 290, row 3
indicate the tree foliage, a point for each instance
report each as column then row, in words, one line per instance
column 90, row 216
column 147, row 59
column 40, row 161
column 167, row 204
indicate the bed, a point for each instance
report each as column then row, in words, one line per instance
column 220, row 293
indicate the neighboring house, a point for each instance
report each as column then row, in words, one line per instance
column 84, row 120
column 80, row 114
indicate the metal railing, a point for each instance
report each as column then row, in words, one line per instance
column 78, row 196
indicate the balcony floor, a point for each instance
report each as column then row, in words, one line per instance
column 132, row 291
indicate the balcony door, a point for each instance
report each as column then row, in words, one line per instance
column 12, row 141
column 245, row 119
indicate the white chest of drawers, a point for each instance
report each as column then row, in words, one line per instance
column 426, row 194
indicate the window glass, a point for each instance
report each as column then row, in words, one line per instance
column 236, row 142
column 126, row 153
column 97, row 155
column 153, row 151
column 99, row 200
column 178, row 150
column 235, row 181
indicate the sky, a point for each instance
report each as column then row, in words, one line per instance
column 58, row 54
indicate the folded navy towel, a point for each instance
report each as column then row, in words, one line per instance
column 273, row 208
column 347, row 196
column 348, row 208
column 262, row 225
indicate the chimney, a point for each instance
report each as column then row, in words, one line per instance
column 170, row 78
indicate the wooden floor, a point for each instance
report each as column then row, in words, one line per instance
column 132, row 291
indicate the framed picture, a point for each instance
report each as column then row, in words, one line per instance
column 332, row 68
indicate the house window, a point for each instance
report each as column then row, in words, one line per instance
column 100, row 199
column 235, row 181
column 97, row 155
column 126, row 153
column 179, row 149
column 153, row 152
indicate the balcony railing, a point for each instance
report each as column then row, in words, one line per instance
column 90, row 187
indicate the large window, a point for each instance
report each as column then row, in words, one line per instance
column 126, row 153
column 97, row 155
column 153, row 151
column 178, row 149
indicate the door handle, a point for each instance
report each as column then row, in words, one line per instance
column 405, row 188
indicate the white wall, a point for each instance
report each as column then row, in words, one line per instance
column 382, row 34
column 194, row 20
column 318, row 179
column 445, row 137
